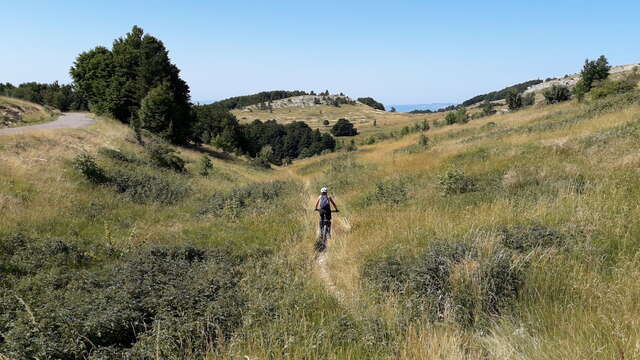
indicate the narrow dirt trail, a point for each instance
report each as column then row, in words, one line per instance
column 65, row 121
column 339, row 230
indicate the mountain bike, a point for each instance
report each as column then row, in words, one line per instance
column 324, row 234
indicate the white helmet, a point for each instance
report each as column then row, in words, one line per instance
column 324, row 190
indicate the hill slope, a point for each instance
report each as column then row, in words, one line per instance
column 16, row 112
column 512, row 236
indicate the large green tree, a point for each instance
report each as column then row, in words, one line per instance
column 594, row 70
column 115, row 81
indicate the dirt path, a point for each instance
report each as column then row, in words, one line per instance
column 65, row 121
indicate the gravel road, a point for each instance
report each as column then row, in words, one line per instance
column 65, row 121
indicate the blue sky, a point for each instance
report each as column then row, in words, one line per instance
column 400, row 52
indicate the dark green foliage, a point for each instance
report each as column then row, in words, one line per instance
column 326, row 123
column 164, row 156
column 423, row 140
column 215, row 125
column 556, row 94
column 344, row 127
column 61, row 97
column 59, row 301
column 86, row 165
column 502, row 94
column 262, row 97
column 369, row 101
column 156, row 112
column 454, row 182
column 291, row 141
column 448, row 277
column 514, row 100
column 527, row 238
column 116, row 81
column 205, row 166
column 594, row 70
column 254, row 196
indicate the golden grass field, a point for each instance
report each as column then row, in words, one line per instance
column 573, row 167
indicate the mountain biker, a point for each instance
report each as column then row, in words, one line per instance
column 323, row 205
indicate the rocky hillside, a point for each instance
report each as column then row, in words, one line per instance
column 15, row 112
column 302, row 101
column 571, row 80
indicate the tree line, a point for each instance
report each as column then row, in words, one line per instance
column 501, row 94
column 61, row 97
column 136, row 83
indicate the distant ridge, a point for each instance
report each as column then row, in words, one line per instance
column 411, row 107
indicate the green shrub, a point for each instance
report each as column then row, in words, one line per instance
column 113, row 154
column 556, row 94
column 392, row 192
column 205, row 166
column 135, row 306
column 145, row 187
column 527, row 238
column 423, row 140
column 164, row 156
column 514, row 101
column 454, row 181
column 254, row 196
column 86, row 165
column 529, row 99
column 449, row 277
column 612, row 87
column 459, row 116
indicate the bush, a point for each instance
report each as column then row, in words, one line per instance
column 423, row 140
column 527, row 238
column 144, row 187
column 487, row 108
column 459, row 116
column 612, row 87
column 255, row 196
column 449, row 278
column 205, row 166
column 164, row 156
column 113, row 154
column 86, row 165
column 529, row 99
column 556, row 94
column 456, row 182
column 344, row 127
column 514, row 101
column 393, row 191
column 134, row 306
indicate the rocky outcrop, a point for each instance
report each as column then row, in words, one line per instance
column 571, row 80
column 302, row 101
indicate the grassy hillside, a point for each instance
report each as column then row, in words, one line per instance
column 362, row 116
column 512, row 236
column 16, row 112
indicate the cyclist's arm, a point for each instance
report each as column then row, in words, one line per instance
column 334, row 204
column 317, row 202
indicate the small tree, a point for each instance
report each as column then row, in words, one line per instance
column 393, row 109
column 205, row 166
column 344, row 128
column 325, row 122
column 556, row 94
column 595, row 70
column 514, row 100
column 375, row 123
column 580, row 90
column 423, row 140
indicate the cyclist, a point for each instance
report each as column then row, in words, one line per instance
column 323, row 205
